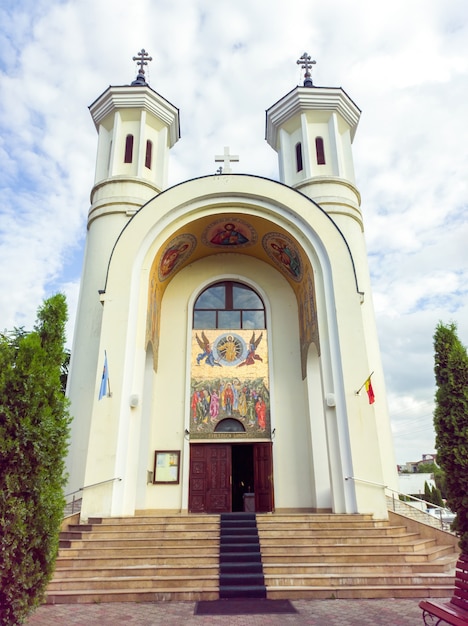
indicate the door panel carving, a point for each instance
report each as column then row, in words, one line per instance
column 263, row 471
column 210, row 484
column 210, row 478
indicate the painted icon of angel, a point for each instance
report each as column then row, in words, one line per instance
column 207, row 352
column 252, row 356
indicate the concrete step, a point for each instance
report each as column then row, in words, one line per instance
column 339, row 531
column 134, row 582
column 361, row 580
column 149, row 522
column 286, row 554
column 354, row 569
column 153, row 552
column 342, row 526
column 113, row 562
column 142, row 542
column 409, row 540
column 156, row 519
column 85, row 571
column 289, row 592
column 314, row 518
column 149, row 535
column 162, row 594
column 386, row 541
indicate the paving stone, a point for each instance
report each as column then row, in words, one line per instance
column 391, row 612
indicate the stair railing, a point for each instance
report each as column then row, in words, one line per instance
column 73, row 493
column 395, row 495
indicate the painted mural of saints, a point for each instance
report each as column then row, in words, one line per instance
column 229, row 232
column 287, row 257
column 170, row 258
column 284, row 253
column 229, row 236
column 175, row 254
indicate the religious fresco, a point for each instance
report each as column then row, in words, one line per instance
column 229, row 384
column 283, row 251
column 153, row 316
column 229, row 232
column 175, row 253
column 308, row 325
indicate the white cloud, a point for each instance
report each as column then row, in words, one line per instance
column 223, row 64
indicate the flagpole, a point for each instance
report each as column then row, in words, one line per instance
column 109, row 395
column 360, row 388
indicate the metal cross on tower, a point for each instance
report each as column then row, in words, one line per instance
column 226, row 159
column 306, row 65
column 142, row 57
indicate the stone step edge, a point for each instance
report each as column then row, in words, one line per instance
column 84, row 596
column 359, row 570
column 269, row 541
column 91, row 579
column 425, row 591
column 421, row 575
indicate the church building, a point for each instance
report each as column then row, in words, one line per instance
column 225, row 355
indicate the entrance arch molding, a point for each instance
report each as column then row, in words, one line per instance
column 180, row 207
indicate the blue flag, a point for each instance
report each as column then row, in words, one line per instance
column 105, row 379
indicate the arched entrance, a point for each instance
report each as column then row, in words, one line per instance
column 230, row 401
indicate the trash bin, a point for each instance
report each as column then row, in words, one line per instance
column 249, row 502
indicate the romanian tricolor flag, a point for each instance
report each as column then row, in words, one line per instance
column 370, row 391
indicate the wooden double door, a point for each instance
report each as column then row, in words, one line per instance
column 227, row 477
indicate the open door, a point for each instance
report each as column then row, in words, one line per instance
column 211, row 485
column 263, row 475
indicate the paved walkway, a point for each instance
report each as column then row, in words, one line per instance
column 389, row 612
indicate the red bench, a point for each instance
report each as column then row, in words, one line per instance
column 455, row 611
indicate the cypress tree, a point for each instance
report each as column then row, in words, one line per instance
column 34, row 430
column 451, row 423
column 427, row 492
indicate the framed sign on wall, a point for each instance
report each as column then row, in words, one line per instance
column 166, row 467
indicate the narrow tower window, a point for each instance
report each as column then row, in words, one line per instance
column 320, row 151
column 109, row 159
column 128, row 149
column 149, row 153
column 299, row 165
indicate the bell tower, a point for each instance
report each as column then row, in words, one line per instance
column 136, row 128
column 312, row 129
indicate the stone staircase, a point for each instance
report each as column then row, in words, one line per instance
column 176, row 557
column 351, row 556
column 138, row 559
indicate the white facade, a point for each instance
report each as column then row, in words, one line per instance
column 413, row 484
column 329, row 448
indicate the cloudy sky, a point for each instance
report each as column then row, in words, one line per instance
column 223, row 63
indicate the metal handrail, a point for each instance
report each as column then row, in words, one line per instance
column 72, row 493
column 369, row 482
column 406, row 496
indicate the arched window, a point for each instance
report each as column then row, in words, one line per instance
column 128, row 149
column 319, row 149
column 299, row 164
column 149, row 154
column 229, row 305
